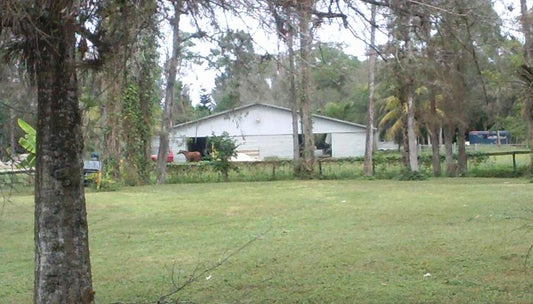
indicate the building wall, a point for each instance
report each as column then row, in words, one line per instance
column 279, row 146
column 269, row 131
column 258, row 120
column 348, row 144
column 252, row 121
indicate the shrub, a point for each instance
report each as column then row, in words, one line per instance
column 223, row 148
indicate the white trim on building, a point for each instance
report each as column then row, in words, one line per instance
column 265, row 131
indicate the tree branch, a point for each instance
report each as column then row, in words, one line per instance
column 195, row 276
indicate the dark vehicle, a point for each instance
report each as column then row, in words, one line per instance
column 489, row 137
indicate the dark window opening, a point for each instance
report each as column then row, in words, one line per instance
column 197, row 144
column 323, row 143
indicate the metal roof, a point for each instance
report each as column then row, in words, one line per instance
column 237, row 109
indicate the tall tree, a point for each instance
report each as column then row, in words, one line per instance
column 283, row 14
column 526, row 72
column 304, row 9
column 171, row 71
column 369, row 141
column 402, row 47
column 430, row 69
column 46, row 31
column 140, row 97
column 115, row 71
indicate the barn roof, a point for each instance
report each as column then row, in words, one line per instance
column 238, row 109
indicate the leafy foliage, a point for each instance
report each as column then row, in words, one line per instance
column 206, row 102
column 223, row 148
column 28, row 142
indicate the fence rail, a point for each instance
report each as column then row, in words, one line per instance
column 385, row 165
column 16, row 171
column 502, row 153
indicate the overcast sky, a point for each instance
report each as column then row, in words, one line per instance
column 197, row 76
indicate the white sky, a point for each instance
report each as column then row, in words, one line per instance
column 197, row 76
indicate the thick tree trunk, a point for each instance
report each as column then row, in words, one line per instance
column 409, row 87
column 305, row 86
column 369, row 142
column 411, row 136
column 146, row 133
column 449, row 131
column 148, row 94
column 62, row 265
column 110, row 120
column 462, row 168
column 169, row 95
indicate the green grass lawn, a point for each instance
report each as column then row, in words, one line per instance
column 460, row 240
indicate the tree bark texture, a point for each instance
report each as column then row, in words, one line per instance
column 409, row 87
column 435, row 148
column 110, row 112
column 411, row 136
column 62, row 264
column 434, row 123
column 528, row 54
column 294, row 105
column 461, row 151
column 434, row 127
column 369, row 141
column 169, row 95
column 449, row 132
column 304, row 15
column 12, row 127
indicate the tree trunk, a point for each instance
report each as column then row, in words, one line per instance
column 62, row 265
column 12, row 128
column 461, row 151
column 409, row 84
column 304, row 15
column 528, row 54
column 526, row 29
column 369, row 142
column 411, row 136
column 433, row 124
column 434, row 134
column 110, row 122
column 148, row 92
column 448, row 145
column 405, row 141
column 435, row 148
column 169, row 95
column 294, row 105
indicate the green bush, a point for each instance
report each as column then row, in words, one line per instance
column 408, row 175
column 223, row 148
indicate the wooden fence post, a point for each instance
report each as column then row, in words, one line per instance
column 514, row 162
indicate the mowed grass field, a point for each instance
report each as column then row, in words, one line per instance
column 460, row 240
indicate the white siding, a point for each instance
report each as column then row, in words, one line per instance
column 269, row 146
column 251, row 121
column 268, row 129
column 348, row 144
column 258, row 120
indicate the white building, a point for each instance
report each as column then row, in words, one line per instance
column 265, row 131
